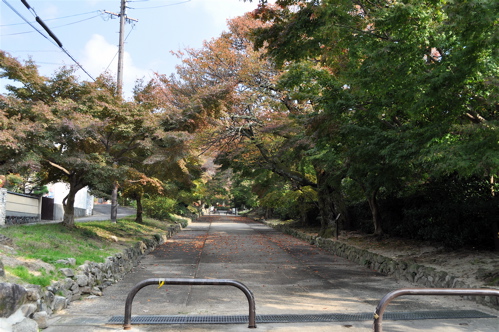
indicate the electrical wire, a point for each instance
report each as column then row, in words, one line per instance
column 29, row 51
column 31, row 9
column 55, row 39
column 56, row 27
column 74, row 60
column 53, row 19
column 114, row 57
column 19, row 14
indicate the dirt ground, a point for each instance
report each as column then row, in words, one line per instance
column 476, row 268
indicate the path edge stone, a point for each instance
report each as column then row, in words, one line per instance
column 88, row 279
column 425, row 276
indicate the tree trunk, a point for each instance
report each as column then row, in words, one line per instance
column 325, row 194
column 69, row 211
column 302, row 207
column 268, row 213
column 373, row 205
column 341, row 208
column 138, row 218
column 68, row 204
column 114, row 203
column 495, row 225
column 495, row 234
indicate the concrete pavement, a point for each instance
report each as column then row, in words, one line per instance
column 286, row 276
column 102, row 212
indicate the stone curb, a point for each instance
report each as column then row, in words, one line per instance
column 427, row 277
column 86, row 280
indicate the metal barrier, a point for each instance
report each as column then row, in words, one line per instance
column 380, row 309
column 127, row 324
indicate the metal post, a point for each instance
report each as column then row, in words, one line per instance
column 380, row 308
column 127, row 323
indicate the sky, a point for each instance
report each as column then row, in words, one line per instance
column 91, row 36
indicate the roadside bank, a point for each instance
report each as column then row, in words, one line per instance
column 398, row 263
column 29, row 307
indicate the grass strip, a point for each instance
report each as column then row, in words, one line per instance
column 88, row 241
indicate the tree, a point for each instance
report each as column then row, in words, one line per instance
column 404, row 82
column 136, row 185
column 230, row 91
column 79, row 133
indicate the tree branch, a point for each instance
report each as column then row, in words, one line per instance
column 59, row 167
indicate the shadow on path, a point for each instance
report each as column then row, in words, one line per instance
column 286, row 275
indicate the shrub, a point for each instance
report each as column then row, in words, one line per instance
column 159, row 207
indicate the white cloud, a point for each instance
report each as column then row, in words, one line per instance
column 94, row 2
column 49, row 12
column 101, row 56
column 221, row 10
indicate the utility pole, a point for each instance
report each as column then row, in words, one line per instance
column 121, row 46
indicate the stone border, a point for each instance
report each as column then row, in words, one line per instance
column 86, row 280
column 20, row 220
column 428, row 277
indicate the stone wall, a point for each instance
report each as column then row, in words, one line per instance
column 426, row 277
column 31, row 311
column 20, row 220
column 21, row 208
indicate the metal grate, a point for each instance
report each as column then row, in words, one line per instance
column 261, row 319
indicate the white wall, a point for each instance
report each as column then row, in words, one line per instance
column 84, row 202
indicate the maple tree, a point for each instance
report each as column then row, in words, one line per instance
column 403, row 89
column 231, row 92
column 136, row 185
column 81, row 133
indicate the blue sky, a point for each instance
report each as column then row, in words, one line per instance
column 91, row 37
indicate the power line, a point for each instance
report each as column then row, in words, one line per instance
column 34, row 51
column 19, row 14
column 114, row 57
column 74, row 60
column 53, row 19
column 56, row 27
column 51, row 34
column 32, row 10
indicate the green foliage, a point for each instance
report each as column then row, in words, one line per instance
column 183, row 221
column 159, row 207
column 286, row 203
column 401, row 91
column 40, row 191
column 84, row 133
column 456, row 212
column 42, row 277
column 186, row 211
column 13, row 182
column 242, row 193
column 218, row 189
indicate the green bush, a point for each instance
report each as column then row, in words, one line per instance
column 453, row 211
column 287, row 203
column 184, row 222
column 456, row 212
column 159, row 207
